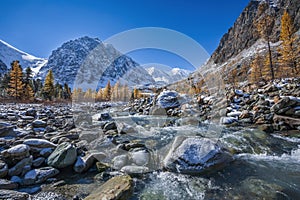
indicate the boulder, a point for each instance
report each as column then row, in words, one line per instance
column 196, row 155
column 104, row 117
column 120, row 161
column 19, row 151
column 168, row 99
column 10, row 194
column 64, row 155
column 37, row 176
column 116, row 188
column 228, row 120
column 83, row 163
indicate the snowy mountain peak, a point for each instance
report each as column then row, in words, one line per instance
column 167, row 75
column 8, row 54
column 86, row 60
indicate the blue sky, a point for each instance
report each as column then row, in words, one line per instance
column 40, row 26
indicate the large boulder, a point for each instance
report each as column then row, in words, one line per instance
column 168, row 99
column 39, row 143
column 196, row 155
column 64, row 155
column 19, row 151
column 116, row 188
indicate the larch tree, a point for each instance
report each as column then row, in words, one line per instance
column 48, row 89
column 264, row 27
column 288, row 49
column 256, row 69
column 107, row 91
column 16, row 84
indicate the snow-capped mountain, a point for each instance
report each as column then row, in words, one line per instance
column 88, row 63
column 167, row 75
column 9, row 53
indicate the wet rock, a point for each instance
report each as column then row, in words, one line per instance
column 17, row 152
column 37, row 176
column 10, row 194
column 195, row 155
column 134, row 170
column 120, row 161
column 83, row 163
column 116, row 188
column 8, row 185
column 140, row 157
column 3, row 169
column 20, row 167
column 64, row 155
column 168, row 99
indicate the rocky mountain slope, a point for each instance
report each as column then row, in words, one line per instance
column 89, row 63
column 167, row 75
column 9, row 53
column 243, row 34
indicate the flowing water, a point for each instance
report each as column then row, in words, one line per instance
column 265, row 166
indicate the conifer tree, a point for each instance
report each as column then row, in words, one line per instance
column 107, row 92
column 136, row 93
column 256, row 69
column 4, row 84
column 264, row 27
column 16, row 84
column 99, row 95
column 28, row 92
column 48, row 89
column 288, row 48
column 67, row 91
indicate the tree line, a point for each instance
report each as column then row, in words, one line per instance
column 21, row 86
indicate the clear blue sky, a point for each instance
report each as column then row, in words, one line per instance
column 40, row 26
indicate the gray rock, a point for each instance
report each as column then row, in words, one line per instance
column 7, row 130
column 8, row 185
column 39, row 124
column 16, row 179
column 110, row 126
column 64, row 155
column 141, row 157
column 38, row 161
column 195, row 155
column 11, row 195
column 84, row 163
column 118, row 187
column 120, row 161
column 19, row 167
column 39, row 143
column 19, row 151
column 104, row 117
column 45, row 152
column 168, row 99
column 37, row 176
column 3, row 169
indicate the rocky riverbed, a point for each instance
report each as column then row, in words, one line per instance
column 167, row 146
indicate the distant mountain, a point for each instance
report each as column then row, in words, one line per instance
column 9, row 53
column 86, row 61
column 167, row 75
